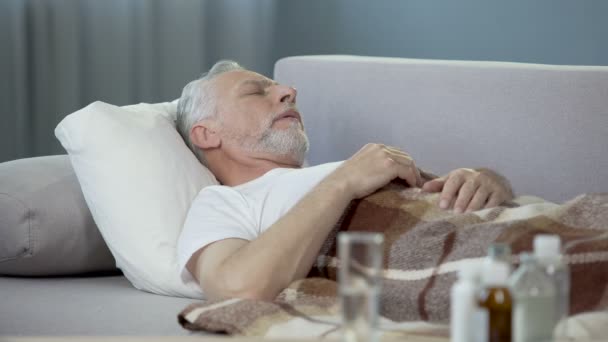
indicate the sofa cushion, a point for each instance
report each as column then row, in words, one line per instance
column 542, row 126
column 45, row 225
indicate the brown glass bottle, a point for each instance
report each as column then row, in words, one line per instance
column 497, row 300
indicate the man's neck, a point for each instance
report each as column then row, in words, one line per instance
column 237, row 171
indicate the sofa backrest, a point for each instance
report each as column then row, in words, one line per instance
column 544, row 127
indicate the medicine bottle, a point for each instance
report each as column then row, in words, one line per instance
column 463, row 306
column 535, row 301
column 495, row 297
column 547, row 251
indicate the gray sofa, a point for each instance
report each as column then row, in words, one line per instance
column 544, row 127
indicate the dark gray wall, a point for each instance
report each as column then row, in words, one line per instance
column 56, row 59
column 539, row 31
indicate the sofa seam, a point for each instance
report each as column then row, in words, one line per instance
column 30, row 243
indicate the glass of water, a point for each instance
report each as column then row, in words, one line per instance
column 359, row 279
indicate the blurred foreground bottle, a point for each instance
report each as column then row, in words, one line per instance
column 547, row 250
column 495, row 297
column 464, row 312
column 534, row 295
column 498, row 252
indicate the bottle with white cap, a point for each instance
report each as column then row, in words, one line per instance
column 496, row 298
column 500, row 252
column 463, row 305
column 547, row 250
column 534, row 293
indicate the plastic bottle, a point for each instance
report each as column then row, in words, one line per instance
column 463, row 305
column 500, row 252
column 547, row 250
column 496, row 298
column 534, row 293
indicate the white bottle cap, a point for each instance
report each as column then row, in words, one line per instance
column 547, row 246
column 496, row 275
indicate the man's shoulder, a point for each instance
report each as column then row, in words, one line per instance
column 216, row 194
column 214, row 189
column 330, row 166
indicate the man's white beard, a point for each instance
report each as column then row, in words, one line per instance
column 291, row 141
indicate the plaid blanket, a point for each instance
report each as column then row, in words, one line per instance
column 424, row 246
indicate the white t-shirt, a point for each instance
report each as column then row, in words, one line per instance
column 244, row 211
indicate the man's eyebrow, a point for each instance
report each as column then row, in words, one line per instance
column 259, row 82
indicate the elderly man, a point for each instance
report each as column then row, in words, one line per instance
column 254, row 234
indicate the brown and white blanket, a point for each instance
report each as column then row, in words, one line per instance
column 424, row 246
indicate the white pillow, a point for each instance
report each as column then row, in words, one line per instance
column 139, row 179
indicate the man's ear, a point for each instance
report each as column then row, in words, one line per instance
column 204, row 136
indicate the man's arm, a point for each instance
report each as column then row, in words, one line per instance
column 261, row 268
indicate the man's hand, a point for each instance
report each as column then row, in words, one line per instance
column 374, row 166
column 470, row 189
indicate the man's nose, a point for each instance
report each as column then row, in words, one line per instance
column 287, row 94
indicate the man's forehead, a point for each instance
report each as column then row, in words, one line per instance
column 237, row 78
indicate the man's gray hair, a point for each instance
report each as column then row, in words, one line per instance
column 198, row 102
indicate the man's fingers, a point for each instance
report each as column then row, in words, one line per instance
column 406, row 171
column 434, row 185
column 470, row 189
column 395, row 150
column 465, row 194
column 400, row 170
column 494, row 201
column 400, row 157
column 419, row 182
column 451, row 187
column 409, row 177
column 478, row 200
column 406, row 167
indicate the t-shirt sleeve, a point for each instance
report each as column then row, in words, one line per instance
column 217, row 213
